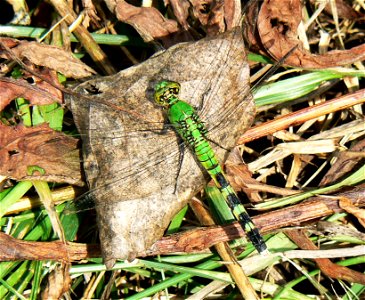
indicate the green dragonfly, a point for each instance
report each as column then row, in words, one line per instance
column 192, row 130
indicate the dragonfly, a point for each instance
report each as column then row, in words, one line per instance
column 186, row 121
column 132, row 158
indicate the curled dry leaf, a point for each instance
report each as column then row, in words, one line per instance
column 277, row 24
column 52, row 57
column 48, row 82
column 7, row 42
column 240, row 176
column 54, row 152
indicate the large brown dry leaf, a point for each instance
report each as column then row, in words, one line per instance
column 52, row 57
column 132, row 164
column 277, row 25
column 56, row 153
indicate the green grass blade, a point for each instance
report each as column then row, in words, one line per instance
column 13, row 279
column 36, row 33
column 298, row 86
column 177, row 220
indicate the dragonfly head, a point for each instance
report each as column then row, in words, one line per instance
column 166, row 93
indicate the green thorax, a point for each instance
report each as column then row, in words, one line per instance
column 180, row 111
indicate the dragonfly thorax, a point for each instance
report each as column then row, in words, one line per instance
column 167, row 93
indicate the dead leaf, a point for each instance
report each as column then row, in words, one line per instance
column 54, row 152
column 148, row 21
column 52, row 57
column 239, row 175
column 277, row 24
column 249, row 27
column 214, row 16
column 48, row 81
column 41, row 94
column 8, row 42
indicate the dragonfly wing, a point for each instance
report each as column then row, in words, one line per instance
column 131, row 175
